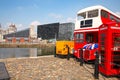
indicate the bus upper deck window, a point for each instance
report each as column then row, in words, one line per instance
column 112, row 17
column 104, row 14
column 93, row 13
column 81, row 16
column 117, row 20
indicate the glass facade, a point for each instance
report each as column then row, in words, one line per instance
column 48, row 31
column 62, row 31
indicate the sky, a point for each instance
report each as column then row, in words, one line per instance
column 24, row 13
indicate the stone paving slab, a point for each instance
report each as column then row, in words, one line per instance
column 49, row 68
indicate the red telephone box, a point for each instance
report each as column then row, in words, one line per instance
column 109, row 48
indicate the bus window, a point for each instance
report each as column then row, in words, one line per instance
column 89, row 38
column 117, row 20
column 92, row 37
column 82, row 23
column 93, row 13
column 104, row 14
column 81, row 16
column 79, row 37
column 86, row 23
column 112, row 17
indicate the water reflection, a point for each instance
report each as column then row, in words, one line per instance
column 17, row 52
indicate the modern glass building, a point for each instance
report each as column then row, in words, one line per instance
column 48, row 31
column 66, row 31
column 63, row 31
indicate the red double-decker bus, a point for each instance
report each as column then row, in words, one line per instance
column 86, row 30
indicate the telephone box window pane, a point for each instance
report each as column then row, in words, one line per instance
column 117, row 42
column 102, row 41
column 116, row 50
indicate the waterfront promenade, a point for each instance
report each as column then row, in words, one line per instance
column 48, row 68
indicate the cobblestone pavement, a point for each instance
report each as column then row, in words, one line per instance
column 49, row 68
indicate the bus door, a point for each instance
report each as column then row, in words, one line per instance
column 91, row 46
column 92, row 37
column 79, row 42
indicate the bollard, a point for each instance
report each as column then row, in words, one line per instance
column 68, row 53
column 55, row 51
column 96, row 70
column 81, row 56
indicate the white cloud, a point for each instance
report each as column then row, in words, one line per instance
column 6, row 25
column 56, row 16
column 69, row 19
column 35, row 23
column 60, row 18
column 20, row 27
